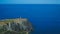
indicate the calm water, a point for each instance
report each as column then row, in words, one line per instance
column 44, row 17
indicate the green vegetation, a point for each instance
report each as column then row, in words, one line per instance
column 4, row 31
column 11, row 32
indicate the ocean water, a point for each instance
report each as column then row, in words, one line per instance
column 45, row 18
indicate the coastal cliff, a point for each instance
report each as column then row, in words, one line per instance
column 17, row 25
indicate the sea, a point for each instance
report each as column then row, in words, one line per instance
column 45, row 18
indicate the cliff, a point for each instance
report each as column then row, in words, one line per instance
column 17, row 24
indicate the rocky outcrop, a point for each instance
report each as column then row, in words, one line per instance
column 17, row 25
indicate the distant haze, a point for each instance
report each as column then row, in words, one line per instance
column 29, row 1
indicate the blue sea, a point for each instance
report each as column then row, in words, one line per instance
column 45, row 18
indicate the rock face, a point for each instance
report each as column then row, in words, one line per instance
column 17, row 25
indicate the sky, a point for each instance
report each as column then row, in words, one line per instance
column 29, row 1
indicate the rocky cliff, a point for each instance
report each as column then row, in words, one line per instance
column 16, row 25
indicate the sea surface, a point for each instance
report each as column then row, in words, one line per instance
column 45, row 18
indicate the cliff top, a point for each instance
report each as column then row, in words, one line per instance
column 16, row 20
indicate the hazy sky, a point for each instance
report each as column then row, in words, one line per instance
column 29, row 1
